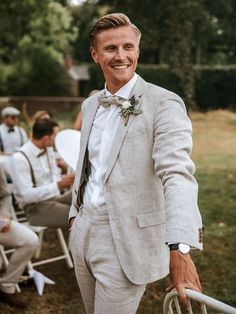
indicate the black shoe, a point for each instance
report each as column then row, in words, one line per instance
column 12, row 299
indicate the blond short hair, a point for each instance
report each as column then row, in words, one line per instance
column 108, row 21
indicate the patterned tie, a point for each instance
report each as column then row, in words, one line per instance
column 11, row 129
column 106, row 101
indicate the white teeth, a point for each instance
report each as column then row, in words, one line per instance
column 120, row 66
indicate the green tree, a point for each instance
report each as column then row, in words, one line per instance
column 179, row 21
column 84, row 17
column 44, row 33
column 220, row 46
column 37, row 72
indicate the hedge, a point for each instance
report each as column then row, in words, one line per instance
column 215, row 87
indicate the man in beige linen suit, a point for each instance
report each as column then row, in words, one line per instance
column 135, row 197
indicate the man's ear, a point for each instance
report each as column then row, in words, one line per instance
column 94, row 54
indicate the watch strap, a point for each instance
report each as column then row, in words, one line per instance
column 174, row 246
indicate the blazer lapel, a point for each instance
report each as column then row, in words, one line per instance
column 138, row 92
column 88, row 120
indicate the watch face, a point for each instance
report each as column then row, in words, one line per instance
column 184, row 248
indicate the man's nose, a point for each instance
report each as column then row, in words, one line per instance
column 120, row 54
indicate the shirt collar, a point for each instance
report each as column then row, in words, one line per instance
column 124, row 91
column 34, row 149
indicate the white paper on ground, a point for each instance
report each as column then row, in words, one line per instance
column 67, row 143
column 40, row 280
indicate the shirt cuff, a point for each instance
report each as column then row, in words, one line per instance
column 55, row 189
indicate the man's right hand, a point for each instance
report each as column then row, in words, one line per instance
column 183, row 275
column 66, row 181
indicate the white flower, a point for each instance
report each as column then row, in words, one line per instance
column 126, row 104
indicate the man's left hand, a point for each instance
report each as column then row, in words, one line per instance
column 183, row 274
column 6, row 225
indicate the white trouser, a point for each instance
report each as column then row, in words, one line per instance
column 103, row 284
column 26, row 242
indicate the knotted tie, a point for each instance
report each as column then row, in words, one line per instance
column 11, row 130
column 106, row 101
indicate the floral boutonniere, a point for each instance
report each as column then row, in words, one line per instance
column 129, row 107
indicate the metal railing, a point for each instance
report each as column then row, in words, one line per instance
column 171, row 301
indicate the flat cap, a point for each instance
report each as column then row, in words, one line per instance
column 10, row 111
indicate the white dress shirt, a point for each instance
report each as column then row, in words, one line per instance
column 12, row 141
column 100, row 145
column 45, row 172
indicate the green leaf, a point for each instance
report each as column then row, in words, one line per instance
column 137, row 111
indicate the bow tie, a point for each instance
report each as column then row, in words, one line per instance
column 11, row 130
column 106, row 101
column 42, row 152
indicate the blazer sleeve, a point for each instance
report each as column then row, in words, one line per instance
column 173, row 165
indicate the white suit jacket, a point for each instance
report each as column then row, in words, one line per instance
column 150, row 191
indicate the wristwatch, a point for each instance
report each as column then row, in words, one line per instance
column 181, row 247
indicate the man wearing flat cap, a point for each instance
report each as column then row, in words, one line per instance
column 12, row 136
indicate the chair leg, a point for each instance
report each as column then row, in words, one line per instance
column 64, row 247
column 3, row 256
column 40, row 235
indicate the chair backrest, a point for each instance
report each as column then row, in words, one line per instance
column 171, row 303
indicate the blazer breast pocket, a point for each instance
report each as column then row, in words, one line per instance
column 151, row 219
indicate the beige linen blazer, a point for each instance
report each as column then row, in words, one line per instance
column 150, row 191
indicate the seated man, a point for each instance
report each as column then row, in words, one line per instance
column 36, row 179
column 12, row 137
column 15, row 235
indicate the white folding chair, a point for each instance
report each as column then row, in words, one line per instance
column 65, row 250
column 171, row 303
column 20, row 216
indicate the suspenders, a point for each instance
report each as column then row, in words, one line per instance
column 1, row 144
column 31, row 168
column 21, row 139
column 21, row 136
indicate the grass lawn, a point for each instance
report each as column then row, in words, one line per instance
column 215, row 158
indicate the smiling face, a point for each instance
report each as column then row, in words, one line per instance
column 116, row 50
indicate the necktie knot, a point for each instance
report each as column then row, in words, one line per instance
column 106, row 101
